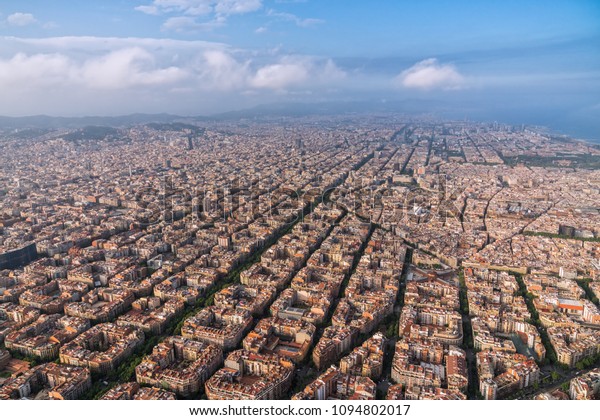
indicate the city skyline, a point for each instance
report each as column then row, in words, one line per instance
column 526, row 62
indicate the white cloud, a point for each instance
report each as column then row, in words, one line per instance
column 289, row 17
column 148, row 9
column 235, row 7
column 128, row 68
column 21, row 19
column 279, row 76
column 197, row 15
column 78, row 74
column 188, row 7
column 123, row 63
column 190, row 24
column 218, row 70
column 28, row 72
column 293, row 72
column 429, row 74
column 260, row 30
column 200, row 7
column 93, row 45
column 121, row 69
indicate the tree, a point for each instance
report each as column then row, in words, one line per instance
column 391, row 330
column 588, row 361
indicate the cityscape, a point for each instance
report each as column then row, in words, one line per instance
column 326, row 208
column 357, row 258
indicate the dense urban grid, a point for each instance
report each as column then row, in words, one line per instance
column 311, row 258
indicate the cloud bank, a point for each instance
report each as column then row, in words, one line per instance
column 36, row 70
column 83, row 75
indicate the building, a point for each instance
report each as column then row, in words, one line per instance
column 251, row 376
column 133, row 391
column 285, row 337
column 102, row 348
column 366, row 360
column 43, row 337
column 501, row 373
column 224, row 327
column 333, row 384
column 586, row 386
column 4, row 358
column 333, row 343
column 148, row 315
column 59, row 382
column 179, row 365
column 102, row 304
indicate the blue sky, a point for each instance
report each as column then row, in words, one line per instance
column 508, row 60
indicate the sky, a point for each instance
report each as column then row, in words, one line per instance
column 535, row 62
